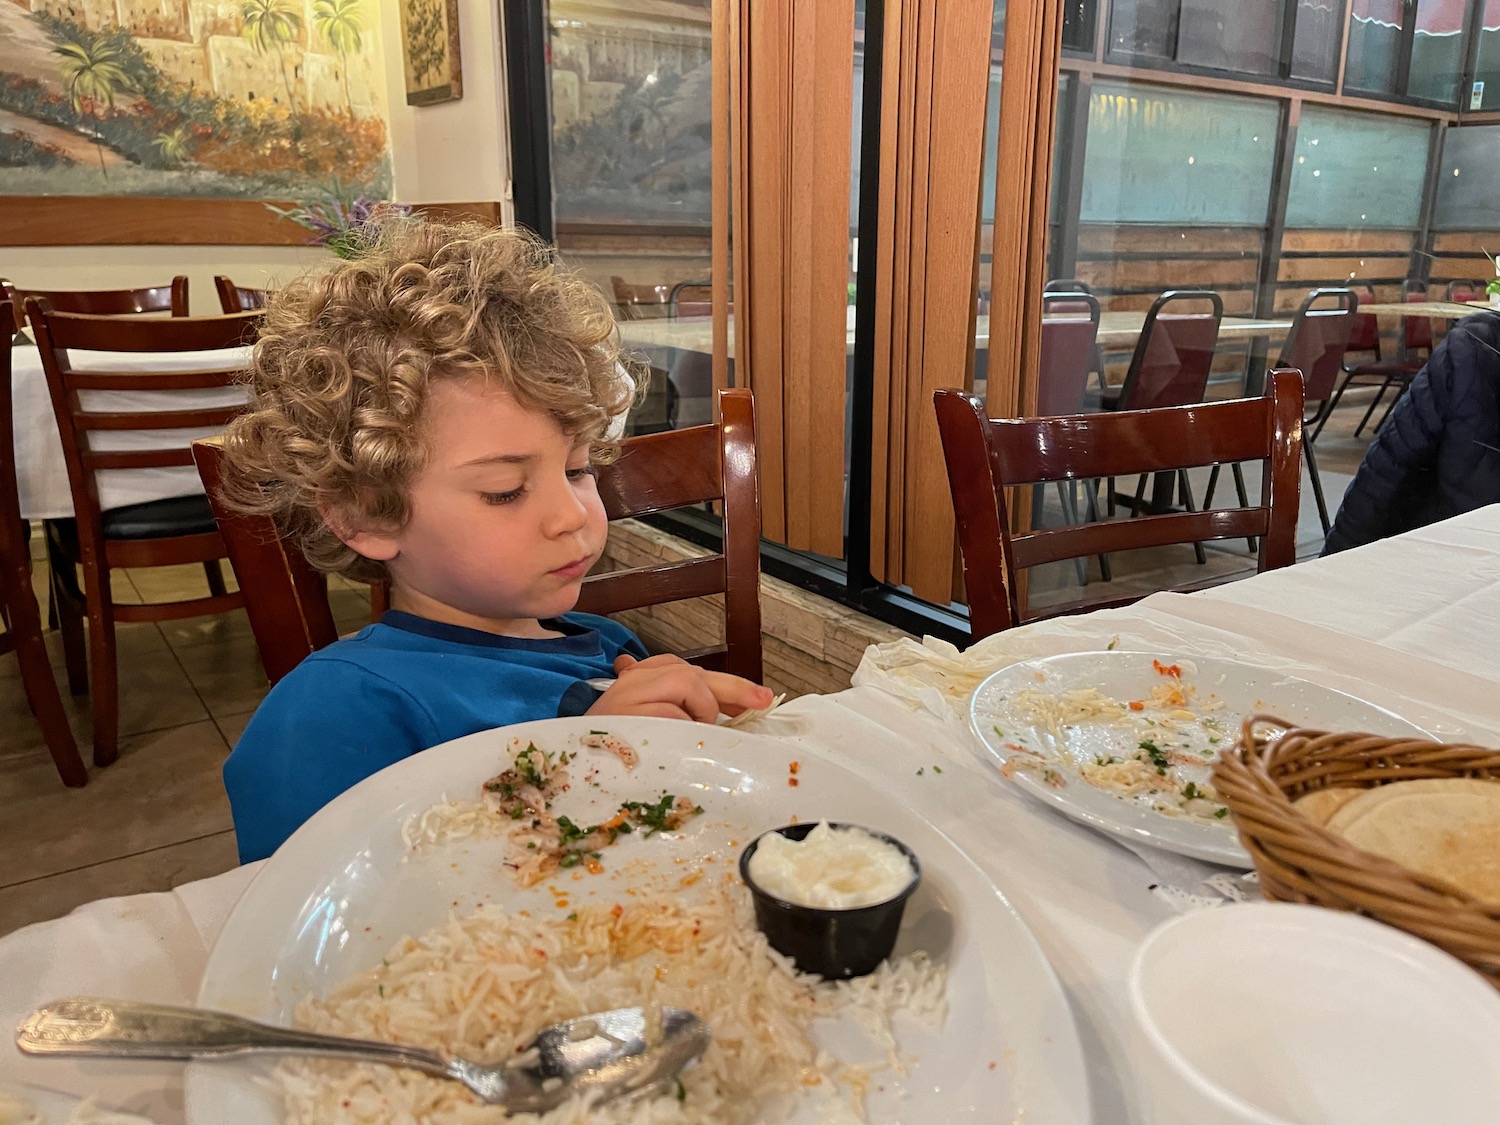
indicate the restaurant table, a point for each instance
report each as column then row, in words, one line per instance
column 1440, row 310
column 1118, row 331
column 41, row 471
column 1407, row 623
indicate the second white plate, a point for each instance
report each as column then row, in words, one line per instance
column 1007, row 733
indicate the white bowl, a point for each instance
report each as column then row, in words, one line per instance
column 1274, row 1014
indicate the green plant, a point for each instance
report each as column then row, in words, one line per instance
column 340, row 22
column 425, row 45
column 173, row 146
column 270, row 25
column 94, row 74
column 344, row 225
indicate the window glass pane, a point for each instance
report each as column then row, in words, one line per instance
column 1487, row 68
column 1143, row 28
column 1374, row 46
column 1466, row 198
column 1159, row 155
column 1437, row 51
column 1357, row 170
column 1079, row 19
column 631, row 170
column 1315, row 42
column 1243, row 36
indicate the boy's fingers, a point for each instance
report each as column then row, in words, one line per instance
column 623, row 661
column 736, row 694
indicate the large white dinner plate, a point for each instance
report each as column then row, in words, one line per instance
column 1242, row 688
column 344, row 889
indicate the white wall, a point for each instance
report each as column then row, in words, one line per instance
column 451, row 152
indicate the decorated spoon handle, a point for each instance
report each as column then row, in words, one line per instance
column 129, row 1029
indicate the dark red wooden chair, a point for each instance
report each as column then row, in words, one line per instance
column 987, row 455
column 287, row 600
column 1416, row 346
column 236, row 298
column 23, row 622
column 159, row 533
column 171, row 298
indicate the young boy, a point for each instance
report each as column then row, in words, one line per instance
column 429, row 413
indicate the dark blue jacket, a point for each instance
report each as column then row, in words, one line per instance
column 1439, row 454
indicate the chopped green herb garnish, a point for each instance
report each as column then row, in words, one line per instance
column 1111, row 646
column 1191, row 792
column 603, row 732
column 382, row 991
column 681, row 1090
column 1157, row 756
column 920, row 771
column 1222, row 813
column 937, row 769
column 570, row 859
column 573, row 917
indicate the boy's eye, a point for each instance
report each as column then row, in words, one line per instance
column 501, row 497
column 581, row 472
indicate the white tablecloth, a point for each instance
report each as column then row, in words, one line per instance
column 1404, row 622
column 42, row 474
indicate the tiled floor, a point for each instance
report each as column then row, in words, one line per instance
column 158, row 816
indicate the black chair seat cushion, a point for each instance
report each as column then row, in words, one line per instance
column 157, row 519
column 1387, row 368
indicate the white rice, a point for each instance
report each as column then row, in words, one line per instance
column 483, row 985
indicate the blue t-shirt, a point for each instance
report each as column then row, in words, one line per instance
column 395, row 688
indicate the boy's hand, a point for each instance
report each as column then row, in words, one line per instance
column 671, row 688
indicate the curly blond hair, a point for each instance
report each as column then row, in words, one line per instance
column 340, row 373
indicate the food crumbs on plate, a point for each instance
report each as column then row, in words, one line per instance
column 993, row 1065
column 920, row 771
column 792, row 781
column 795, row 766
column 616, row 910
column 1137, row 705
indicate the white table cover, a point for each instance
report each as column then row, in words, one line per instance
column 1404, row 622
column 41, row 472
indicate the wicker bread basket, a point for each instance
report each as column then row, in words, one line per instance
column 1299, row 861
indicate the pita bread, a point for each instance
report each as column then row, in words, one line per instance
column 1445, row 827
column 1318, row 806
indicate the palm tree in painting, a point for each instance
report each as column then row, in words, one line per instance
column 270, row 25
column 340, row 21
column 94, row 73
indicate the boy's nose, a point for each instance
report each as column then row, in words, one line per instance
column 566, row 514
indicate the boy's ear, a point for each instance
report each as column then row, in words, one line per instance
column 378, row 544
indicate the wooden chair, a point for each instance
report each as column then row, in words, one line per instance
column 1070, row 329
column 23, row 621
column 157, row 533
column 236, row 298
column 987, row 455
column 172, row 298
column 287, row 600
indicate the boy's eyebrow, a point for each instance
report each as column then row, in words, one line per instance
column 501, row 459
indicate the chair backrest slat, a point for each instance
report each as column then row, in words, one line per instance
column 92, row 332
column 671, row 469
column 1364, row 336
column 170, row 298
column 653, row 585
column 1416, row 331
column 985, row 456
column 201, row 418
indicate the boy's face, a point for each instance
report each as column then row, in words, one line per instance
column 505, row 519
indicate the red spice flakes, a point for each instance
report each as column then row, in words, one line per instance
column 1137, row 705
column 792, row 781
column 1173, row 670
column 617, row 910
column 795, row 766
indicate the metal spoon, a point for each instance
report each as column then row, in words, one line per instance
column 607, row 1052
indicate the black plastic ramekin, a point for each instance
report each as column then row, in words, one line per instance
column 834, row 944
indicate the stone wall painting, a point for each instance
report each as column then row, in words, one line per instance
column 430, row 49
column 208, row 98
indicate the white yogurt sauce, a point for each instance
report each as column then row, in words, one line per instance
column 830, row 868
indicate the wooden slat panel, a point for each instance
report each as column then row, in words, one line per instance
column 1107, row 239
column 1302, row 241
column 1169, row 273
column 1339, row 270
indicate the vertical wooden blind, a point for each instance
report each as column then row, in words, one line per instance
column 790, row 88
column 931, row 147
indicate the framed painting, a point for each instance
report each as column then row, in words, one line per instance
column 429, row 51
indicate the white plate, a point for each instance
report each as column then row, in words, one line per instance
column 343, row 890
column 52, row 1107
column 1241, row 688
